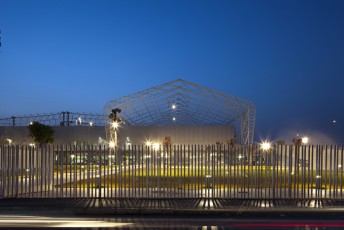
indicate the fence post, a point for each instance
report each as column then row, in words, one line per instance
column 273, row 160
column 99, row 179
column 2, row 171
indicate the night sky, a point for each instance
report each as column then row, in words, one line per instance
column 285, row 56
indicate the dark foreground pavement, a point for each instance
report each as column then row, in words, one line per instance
column 176, row 206
column 198, row 214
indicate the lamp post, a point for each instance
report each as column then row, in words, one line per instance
column 115, row 121
column 266, row 147
column 113, row 142
column 304, row 140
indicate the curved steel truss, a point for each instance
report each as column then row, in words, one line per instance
column 184, row 103
column 55, row 119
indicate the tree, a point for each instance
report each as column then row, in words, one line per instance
column 41, row 134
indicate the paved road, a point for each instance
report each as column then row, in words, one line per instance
column 158, row 222
column 170, row 214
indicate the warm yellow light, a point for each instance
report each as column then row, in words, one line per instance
column 265, row 145
column 9, row 141
column 32, row 144
column 115, row 125
column 148, row 143
column 305, row 140
column 112, row 144
column 156, row 146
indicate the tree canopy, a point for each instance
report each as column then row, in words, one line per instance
column 41, row 134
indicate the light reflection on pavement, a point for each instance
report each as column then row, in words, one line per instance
column 22, row 221
column 171, row 222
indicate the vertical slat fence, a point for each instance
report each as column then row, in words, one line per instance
column 192, row 171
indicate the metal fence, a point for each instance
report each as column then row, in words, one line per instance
column 56, row 119
column 284, row 171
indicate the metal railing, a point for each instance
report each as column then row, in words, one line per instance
column 195, row 171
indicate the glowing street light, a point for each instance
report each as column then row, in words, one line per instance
column 304, row 140
column 148, row 143
column 173, row 106
column 265, row 145
column 174, row 119
column 115, row 124
column 156, row 146
column 112, row 144
column 91, row 123
column 115, row 121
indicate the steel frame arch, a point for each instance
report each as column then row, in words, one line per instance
column 195, row 105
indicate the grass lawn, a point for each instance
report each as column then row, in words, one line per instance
column 189, row 177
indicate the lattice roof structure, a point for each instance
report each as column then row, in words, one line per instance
column 183, row 103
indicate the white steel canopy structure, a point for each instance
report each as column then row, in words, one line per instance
column 183, row 103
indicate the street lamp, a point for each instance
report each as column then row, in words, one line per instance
column 112, row 144
column 156, row 146
column 305, row 140
column 265, row 145
column 148, row 143
column 115, row 124
column 115, row 120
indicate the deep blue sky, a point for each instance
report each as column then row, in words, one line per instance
column 285, row 56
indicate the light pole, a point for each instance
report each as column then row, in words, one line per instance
column 115, row 121
column 113, row 142
column 305, row 140
column 266, row 147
